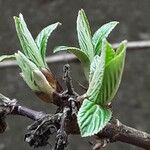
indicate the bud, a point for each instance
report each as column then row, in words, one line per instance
column 35, row 71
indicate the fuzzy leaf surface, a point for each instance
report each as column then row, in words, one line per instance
column 80, row 55
column 101, row 34
column 84, row 34
column 96, row 73
column 28, row 44
column 92, row 118
column 27, row 68
column 112, row 75
column 42, row 39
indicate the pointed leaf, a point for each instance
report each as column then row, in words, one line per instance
column 93, row 67
column 112, row 76
column 96, row 73
column 42, row 39
column 27, row 42
column 110, row 53
column 102, row 33
column 80, row 55
column 92, row 118
column 32, row 75
column 84, row 34
column 27, row 68
column 76, row 51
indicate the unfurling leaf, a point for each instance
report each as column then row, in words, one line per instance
column 86, row 52
column 28, row 44
column 105, row 76
column 35, row 71
column 97, row 73
column 101, row 34
column 112, row 75
column 92, row 118
column 27, row 68
column 76, row 51
column 81, row 55
column 88, row 45
column 84, row 35
column 33, row 76
column 42, row 39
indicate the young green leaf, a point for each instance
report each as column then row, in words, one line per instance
column 4, row 57
column 84, row 35
column 110, row 53
column 42, row 39
column 112, row 76
column 102, row 33
column 80, row 55
column 76, row 51
column 92, row 118
column 27, row 68
column 93, row 66
column 96, row 73
column 32, row 75
column 27, row 42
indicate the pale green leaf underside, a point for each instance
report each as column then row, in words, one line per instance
column 27, row 68
column 102, row 33
column 80, row 55
column 92, row 118
column 42, row 39
column 32, row 74
column 84, row 35
column 27, row 42
column 5, row 57
column 96, row 74
column 93, row 67
column 110, row 54
column 112, row 77
column 76, row 51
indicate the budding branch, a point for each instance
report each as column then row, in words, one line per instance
column 64, row 122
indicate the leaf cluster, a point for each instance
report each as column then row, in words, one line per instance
column 102, row 65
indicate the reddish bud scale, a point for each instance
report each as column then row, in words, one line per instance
column 53, row 83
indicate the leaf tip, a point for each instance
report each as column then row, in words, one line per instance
column 125, row 42
column 55, row 50
column 59, row 23
column 20, row 16
column 81, row 11
column 115, row 22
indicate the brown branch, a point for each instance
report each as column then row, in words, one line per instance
column 27, row 112
column 134, row 45
column 120, row 132
column 114, row 130
column 10, row 107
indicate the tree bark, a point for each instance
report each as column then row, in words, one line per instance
column 114, row 130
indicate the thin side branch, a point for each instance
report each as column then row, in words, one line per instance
column 10, row 107
column 134, row 45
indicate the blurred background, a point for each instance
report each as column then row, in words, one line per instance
column 131, row 104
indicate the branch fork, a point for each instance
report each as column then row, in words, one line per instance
column 64, row 122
